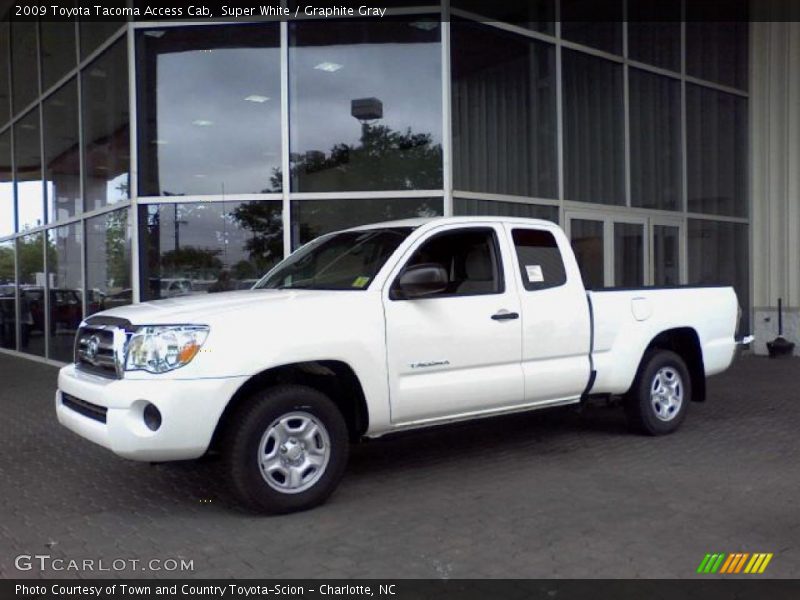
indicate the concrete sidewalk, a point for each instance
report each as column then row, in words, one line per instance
column 536, row 495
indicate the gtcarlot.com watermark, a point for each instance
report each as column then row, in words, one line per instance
column 46, row 562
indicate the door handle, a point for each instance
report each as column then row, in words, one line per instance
column 504, row 315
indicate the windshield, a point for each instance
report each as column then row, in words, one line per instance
column 340, row 261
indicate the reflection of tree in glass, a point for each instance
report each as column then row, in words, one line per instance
column 384, row 160
column 31, row 257
column 265, row 247
column 6, row 264
column 188, row 260
column 118, row 270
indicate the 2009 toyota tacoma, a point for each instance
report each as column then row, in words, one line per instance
column 378, row 329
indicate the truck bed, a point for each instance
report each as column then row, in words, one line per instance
column 625, row 321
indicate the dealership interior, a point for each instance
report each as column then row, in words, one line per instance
column 152, row 159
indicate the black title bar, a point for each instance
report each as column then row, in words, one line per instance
column 520, row 12
column 204, row 589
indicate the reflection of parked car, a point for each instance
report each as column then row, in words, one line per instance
column 175, row 287
column 32, row 301
column 65, row 309
column 122, row 298
column 245, row 284
column 8, row 317
column 95, row 301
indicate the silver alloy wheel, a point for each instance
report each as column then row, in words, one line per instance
column 294, row 452
column 666, row 393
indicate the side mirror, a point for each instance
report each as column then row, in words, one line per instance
column 422, row 280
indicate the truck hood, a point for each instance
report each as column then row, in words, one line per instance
column 202, row 308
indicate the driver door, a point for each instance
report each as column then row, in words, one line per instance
column 458, row 351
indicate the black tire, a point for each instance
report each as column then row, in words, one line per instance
column 271, row 410
column 646, row 411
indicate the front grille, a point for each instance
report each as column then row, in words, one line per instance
column 87, row 409
column 94, row 351
column 99, row 340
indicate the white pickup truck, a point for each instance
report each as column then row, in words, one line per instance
column 378, row 329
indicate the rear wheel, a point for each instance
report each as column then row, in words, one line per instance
column 287, row 449
column 659, row 398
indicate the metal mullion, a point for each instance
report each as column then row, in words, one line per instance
column 506, row 198
column 133, row 164
column 717, row 86
column 59, row 84
column 683, row 232
column 560, row 117
column 721, row 218
column 63, row 222
column 381, row 195
column 106, row 209
column 286, row 203
column 653, row 69
column 510, row 27
column 14, row 199
column 81, row 166
column 447, row 108
column 18, row 297
column 206, row 199
column 114, row 37
column 626, row 108
column 593, row 51
column 45, row 217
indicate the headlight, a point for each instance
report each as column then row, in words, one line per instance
column 162, row 348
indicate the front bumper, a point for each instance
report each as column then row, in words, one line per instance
column 190, row 410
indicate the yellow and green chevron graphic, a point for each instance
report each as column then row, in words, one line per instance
column 736, row 562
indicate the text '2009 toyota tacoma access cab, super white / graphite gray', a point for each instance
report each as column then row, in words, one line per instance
column 378, row 329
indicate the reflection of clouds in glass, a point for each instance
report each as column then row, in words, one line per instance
column 29, row 204
column 406, row 78
column 6, row 208
column 239, row 144
column 117, row 189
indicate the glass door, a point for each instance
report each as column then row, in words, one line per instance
column 667, row 243
column 630, row 253
column 627, row 251
column 587, row 234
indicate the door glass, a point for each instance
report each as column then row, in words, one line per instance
column 470, row 259
column 666, row 255
column 628, row 255
column 587, row 243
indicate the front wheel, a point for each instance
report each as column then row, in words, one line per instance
column 659, row 397
column 287, row 449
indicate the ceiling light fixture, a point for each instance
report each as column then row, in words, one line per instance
column 257, row 99
column 202, row 123
column 328, row 67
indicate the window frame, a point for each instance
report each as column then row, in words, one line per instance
column 498, row 258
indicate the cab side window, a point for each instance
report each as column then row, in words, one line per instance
column 540, row 263
column 471, row 258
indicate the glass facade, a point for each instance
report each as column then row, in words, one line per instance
column 365, row 105
column 217, row 148
column 655, row 138
column 207, row 246
column 313, row 218
column 594, row 129
column 504, row 112
column 196, row 139
column 108, row 261
column 62, row 155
